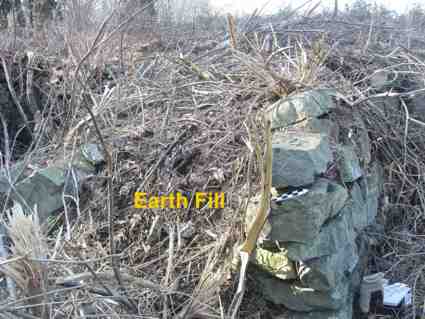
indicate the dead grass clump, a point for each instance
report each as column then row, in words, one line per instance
column 27, row 267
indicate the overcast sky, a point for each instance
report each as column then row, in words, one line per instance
column 246, row 6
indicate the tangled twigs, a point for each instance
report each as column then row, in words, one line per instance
column 14, row 96
column 180, row 139
column 108, row 157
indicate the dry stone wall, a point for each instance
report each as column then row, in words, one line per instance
column 308, row 259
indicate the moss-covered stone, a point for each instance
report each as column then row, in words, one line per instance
column 275, row 263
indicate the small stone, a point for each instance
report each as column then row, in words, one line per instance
column 187, row 230
column 92, row 153
column 299, row 157
column 348, row 162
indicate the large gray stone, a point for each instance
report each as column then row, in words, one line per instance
column 346, row 312
column 348, row 163
column 372, row 187
column 364, row 201
column 300, row 219
column 332, row 238
column 44, row 188
column 298, row 157
column 295, row 296
column 302, row 106
column 357, row 208
column 324, row 273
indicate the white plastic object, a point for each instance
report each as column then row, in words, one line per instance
column 397, row 294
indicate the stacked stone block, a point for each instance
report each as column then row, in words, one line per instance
column 307, row 254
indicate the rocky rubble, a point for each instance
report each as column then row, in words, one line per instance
column 308, row 259
column 44, row 188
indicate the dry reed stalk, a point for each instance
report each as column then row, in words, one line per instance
column 28, row 243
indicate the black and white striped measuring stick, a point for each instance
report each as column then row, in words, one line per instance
column 290, row 195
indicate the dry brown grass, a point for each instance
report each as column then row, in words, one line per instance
column 214, row 97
